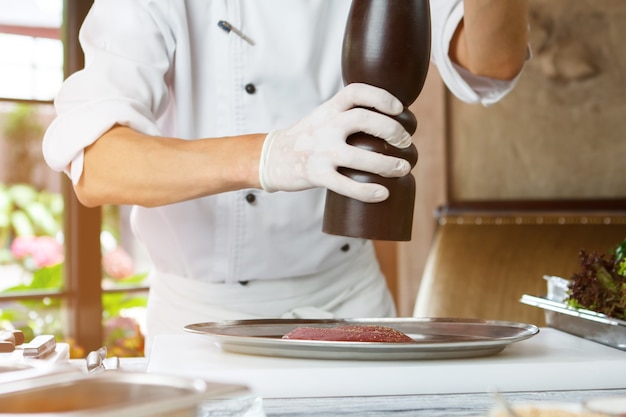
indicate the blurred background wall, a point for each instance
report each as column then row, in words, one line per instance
column 559, row 135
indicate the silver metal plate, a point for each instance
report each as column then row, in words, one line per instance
column 587, row 324
column 435, row 338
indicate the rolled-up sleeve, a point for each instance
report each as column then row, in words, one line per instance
column 123, row 82
column 446, row 16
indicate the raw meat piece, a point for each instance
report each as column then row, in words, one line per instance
column 350, row 333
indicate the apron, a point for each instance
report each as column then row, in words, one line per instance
column 353, row 289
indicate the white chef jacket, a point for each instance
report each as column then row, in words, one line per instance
column 165, row 67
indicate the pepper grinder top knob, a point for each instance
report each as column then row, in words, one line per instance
column 387, row 44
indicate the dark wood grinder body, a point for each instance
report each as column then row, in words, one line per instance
column 386, row 44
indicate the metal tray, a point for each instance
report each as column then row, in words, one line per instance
column 583, row 323
column 111, row 394
column 435, row 338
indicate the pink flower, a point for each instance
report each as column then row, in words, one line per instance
column 47, row 251
column 123, row 337
column 43, row 250
column 118, row 264
column 22, row 246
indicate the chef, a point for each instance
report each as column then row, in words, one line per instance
column 223, row 121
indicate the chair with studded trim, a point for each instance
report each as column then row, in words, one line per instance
column 481, row 263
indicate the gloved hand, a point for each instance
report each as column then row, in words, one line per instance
column 307, row 154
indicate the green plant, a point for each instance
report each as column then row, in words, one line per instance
column 600, row 285
column 24, row 211
column 22, row 130
column 31, row 237
column 22, row 125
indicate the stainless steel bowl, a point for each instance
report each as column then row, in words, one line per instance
column 110, row 394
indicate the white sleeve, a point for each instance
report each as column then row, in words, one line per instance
column 446, row 16
column 122, row 83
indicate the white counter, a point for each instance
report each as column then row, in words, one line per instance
column 549, row 361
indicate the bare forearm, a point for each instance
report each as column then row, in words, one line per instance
column 126, row 167
column 492, row 38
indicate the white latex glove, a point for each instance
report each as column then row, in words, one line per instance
column 307, row 154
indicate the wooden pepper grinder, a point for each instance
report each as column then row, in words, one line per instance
column 386, row 44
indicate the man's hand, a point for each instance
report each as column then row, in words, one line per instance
column 307, row 154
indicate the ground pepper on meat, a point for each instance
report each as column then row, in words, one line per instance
column 350, row 333
column 600, row 285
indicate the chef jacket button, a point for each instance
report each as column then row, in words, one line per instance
column 250, row 198
column 250, row 88
column 345, row 248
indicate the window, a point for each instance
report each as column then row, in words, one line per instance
column 32, row 67
column 31, row 50
column 64, row 269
